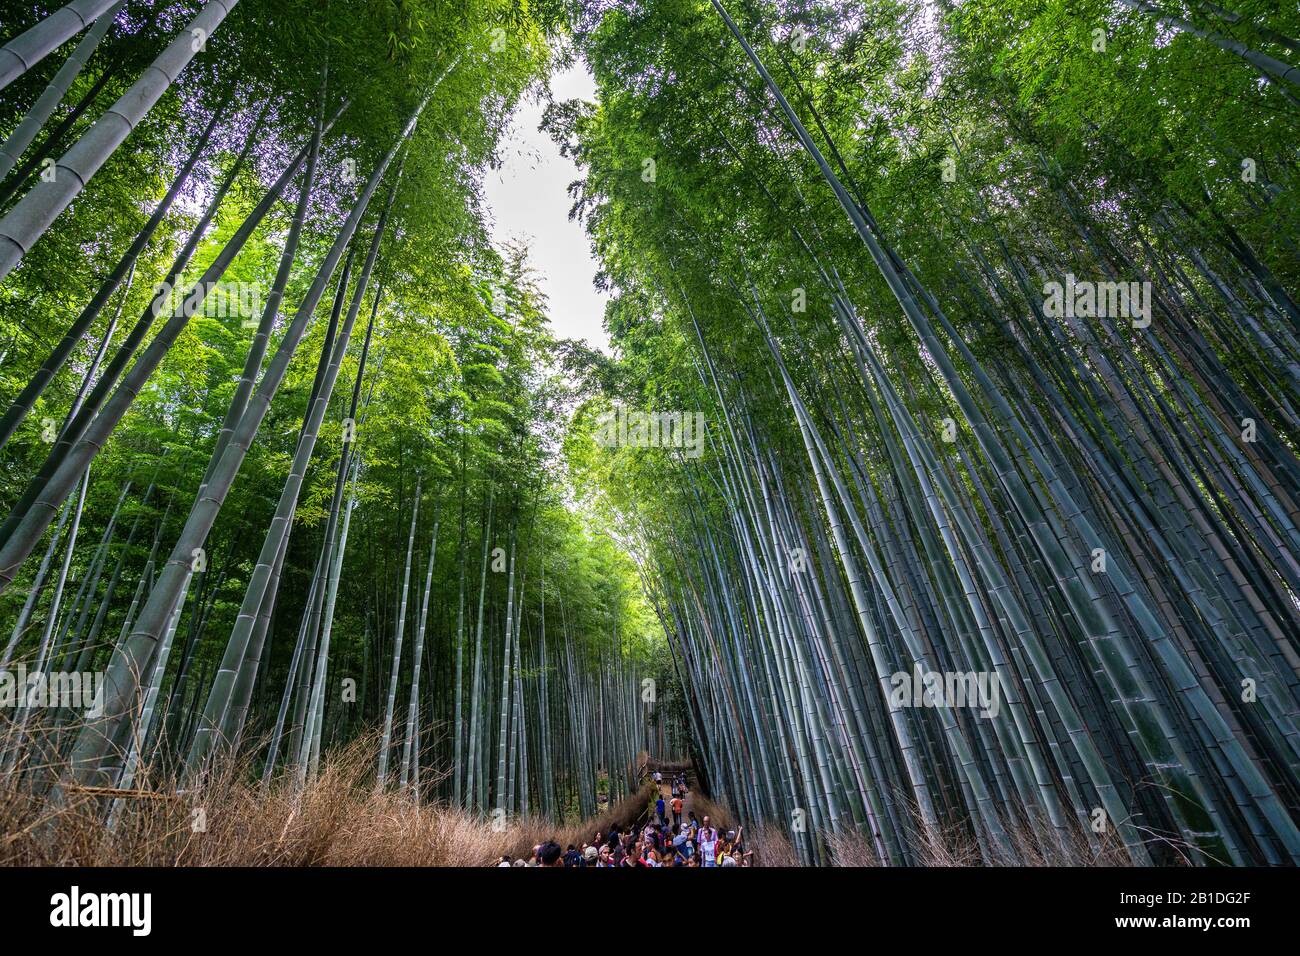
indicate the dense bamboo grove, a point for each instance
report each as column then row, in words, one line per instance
column 280, row 453
column 986, row 311
column 834, row 230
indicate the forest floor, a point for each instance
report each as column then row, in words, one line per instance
column 231, row 818
column 666, row 791
column 341, row 819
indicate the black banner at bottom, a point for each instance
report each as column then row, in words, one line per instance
column 141, row 907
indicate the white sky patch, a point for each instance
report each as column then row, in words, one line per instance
column 528, row 202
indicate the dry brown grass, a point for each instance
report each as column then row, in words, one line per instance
column 771, row 846
column 721, row 818
column 230, row 819
column 1036, row 845
column 666, row 766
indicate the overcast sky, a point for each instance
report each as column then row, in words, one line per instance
column 527, row 200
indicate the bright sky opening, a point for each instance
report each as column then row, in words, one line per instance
column 528, row 201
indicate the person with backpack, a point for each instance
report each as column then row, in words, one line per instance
column 681, row 855
column 682, row 848
column 677, row 811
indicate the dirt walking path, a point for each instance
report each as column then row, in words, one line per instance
column 666, row 791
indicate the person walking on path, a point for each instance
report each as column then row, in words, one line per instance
column 708, row 842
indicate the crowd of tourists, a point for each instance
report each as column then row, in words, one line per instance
column 672, row 837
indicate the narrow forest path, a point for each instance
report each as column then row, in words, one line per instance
column 669, row 771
